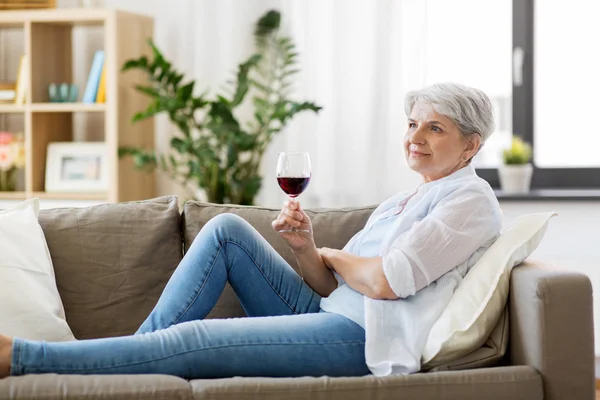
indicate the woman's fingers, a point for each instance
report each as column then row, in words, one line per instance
column 283, row 220
column 278, row 222
column 288, row 216
column 275, row 224
column 290, row 221
column 293, row 214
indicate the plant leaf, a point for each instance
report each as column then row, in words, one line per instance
column 260, row 86
column 141, row 63
column 184, row 92
column 142, row 159
column 180, row 145
column 148, row 90
column 243, row 83
column 266, row 26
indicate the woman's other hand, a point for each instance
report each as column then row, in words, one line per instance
column 292, row 214
column 327, row 254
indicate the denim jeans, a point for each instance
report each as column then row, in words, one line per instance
column 286, row 334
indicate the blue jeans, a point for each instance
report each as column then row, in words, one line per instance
column 285, row 334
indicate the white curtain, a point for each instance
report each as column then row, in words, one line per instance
column 357, row 60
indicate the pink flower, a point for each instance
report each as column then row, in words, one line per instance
column 6, row 138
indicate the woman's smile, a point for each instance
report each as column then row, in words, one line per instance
column 417, row 154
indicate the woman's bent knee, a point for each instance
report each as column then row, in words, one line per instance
column 229, row 225
column 228, row 220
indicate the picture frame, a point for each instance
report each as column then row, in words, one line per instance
column 77, row 167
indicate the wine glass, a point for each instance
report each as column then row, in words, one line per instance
column 293, row 176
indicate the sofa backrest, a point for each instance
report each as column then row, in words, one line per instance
column 332, row 228
column 112, row 261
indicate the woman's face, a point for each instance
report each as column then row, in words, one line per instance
column 433, row 144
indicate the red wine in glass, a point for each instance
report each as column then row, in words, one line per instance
column 293, row 187
column 293, row 177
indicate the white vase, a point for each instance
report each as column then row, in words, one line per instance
column 515, row 179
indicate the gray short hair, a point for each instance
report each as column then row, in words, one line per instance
column 470, row 108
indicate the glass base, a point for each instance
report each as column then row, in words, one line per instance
column 292, row 229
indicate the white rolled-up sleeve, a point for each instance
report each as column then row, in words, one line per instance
column 456, row 227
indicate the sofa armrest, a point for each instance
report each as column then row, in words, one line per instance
column 552, row 330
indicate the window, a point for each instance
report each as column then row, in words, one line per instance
column 566, row 83
column 555, row 103
column 470, row 41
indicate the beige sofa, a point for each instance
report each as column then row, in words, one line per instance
column 112, row 262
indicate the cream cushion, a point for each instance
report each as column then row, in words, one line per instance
column 479, row 301
column 30, row 305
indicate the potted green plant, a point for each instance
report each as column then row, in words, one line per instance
column 516, row 171
column 214, row 150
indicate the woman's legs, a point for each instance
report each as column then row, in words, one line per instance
column 229, row 249
column 314, row 344
column 284, row 344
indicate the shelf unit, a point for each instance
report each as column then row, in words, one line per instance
column 48, row 41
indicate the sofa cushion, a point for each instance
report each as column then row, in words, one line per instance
column 30, row 304
column 515, row 383
column 332, row 228
column 112, row 261
column 91, row 387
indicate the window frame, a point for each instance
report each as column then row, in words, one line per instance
column 523, row 113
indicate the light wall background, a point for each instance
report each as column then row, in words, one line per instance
column 358, row 58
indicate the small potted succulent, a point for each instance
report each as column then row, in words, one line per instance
column 516, row 171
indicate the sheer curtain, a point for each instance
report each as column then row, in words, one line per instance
column 357, row 60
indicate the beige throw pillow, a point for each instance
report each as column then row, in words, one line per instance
column 30, row 305
column 476, row 306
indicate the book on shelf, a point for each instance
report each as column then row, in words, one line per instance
column 101, row 96
column 93, row 82
column 22, row 81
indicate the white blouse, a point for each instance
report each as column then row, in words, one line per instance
column 437, row 233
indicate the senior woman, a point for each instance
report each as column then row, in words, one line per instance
column 365, row 309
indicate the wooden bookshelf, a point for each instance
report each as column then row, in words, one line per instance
column 11, row 108
column 48, row 43
column 70, row 196
column 13, row 195
column 67, row 107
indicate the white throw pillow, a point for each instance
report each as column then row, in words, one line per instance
column 30, row 305
column 475, row 307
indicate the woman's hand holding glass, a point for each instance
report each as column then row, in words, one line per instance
column 293, row 215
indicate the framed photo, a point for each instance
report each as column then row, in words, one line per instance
column 77, row 167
